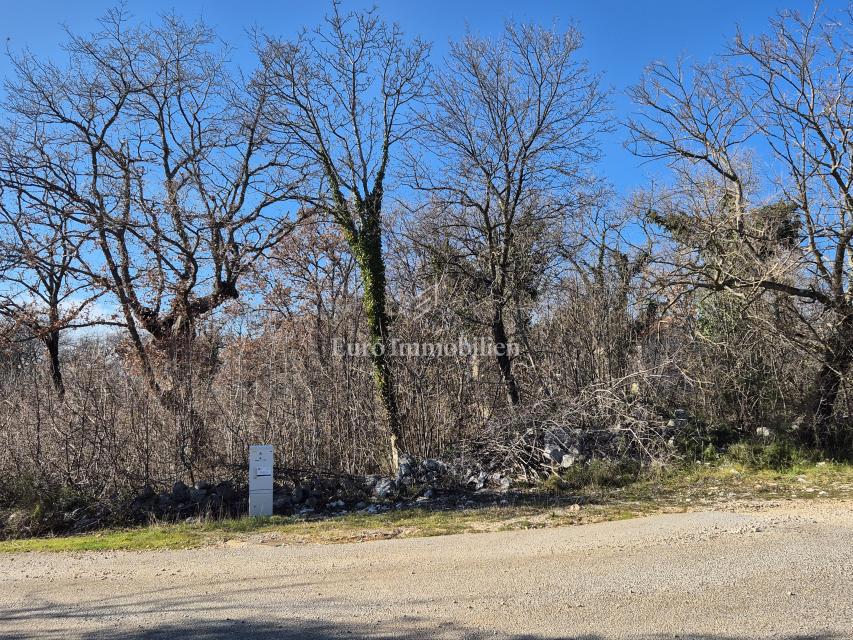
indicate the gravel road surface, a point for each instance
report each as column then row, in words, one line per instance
column 761, row 571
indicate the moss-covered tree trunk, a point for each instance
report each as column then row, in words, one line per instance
column 366, row 244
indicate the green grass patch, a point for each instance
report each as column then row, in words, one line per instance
column 138, row 539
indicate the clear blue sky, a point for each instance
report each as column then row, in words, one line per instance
column 621, row 36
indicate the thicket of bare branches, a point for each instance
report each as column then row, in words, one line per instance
column 790, row 91
column 191, row 255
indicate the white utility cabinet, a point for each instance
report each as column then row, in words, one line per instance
column 260, row 479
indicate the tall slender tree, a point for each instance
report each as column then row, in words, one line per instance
column 41, row 294
column 342, row 95
column 508, row 146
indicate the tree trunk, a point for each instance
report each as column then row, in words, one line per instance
column 372, row 267
column 504, row 359
column 177, row 343
column 51, row 342
column 820, row 403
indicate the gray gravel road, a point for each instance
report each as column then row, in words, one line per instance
column 780, row 572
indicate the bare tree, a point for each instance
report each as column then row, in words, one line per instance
column 343, row 96
column 150, row 142
column 788, row 92
column 41, row 292
column 508, row 148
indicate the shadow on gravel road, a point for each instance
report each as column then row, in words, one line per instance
column 307, row 630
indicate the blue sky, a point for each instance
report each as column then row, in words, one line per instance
column 621, row 37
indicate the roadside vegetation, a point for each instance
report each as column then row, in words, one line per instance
column 603, row 492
